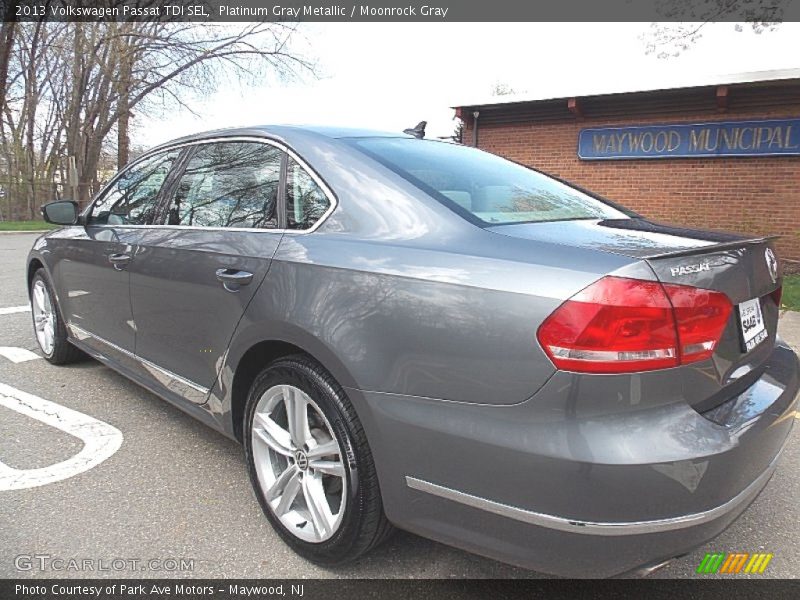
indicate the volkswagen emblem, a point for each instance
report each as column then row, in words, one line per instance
column 772, row 264
column 301, row 459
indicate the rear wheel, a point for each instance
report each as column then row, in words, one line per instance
column 51, row 334
column 310, row 464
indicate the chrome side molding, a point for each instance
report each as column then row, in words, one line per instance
column 185, row 388
column 591, row 527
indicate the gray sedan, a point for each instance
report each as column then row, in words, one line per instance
column 417, row 334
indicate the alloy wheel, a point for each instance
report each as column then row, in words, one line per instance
column 43, row 317
column 299, row 465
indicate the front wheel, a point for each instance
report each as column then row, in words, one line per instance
column 51, row 334
column 310, row 464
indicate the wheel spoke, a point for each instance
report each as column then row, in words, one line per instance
column 272, row 434
column 48, row 337
column 329, row 467
column 317, row 505
column 326, row 449
column 297, row 416
column 279, row 487
column 289, row 494
column 38, row 297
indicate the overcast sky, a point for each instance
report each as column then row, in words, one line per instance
column 390, row 76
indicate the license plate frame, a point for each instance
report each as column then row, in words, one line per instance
column 752, row 329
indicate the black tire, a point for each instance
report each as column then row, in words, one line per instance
column 63, row 351
column 364, row 524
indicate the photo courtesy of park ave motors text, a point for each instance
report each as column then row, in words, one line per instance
column 328, row 299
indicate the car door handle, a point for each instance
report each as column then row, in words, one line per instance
column 233, row 279
column 120, row 261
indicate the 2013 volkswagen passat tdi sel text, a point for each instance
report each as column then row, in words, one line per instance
column 419, row 334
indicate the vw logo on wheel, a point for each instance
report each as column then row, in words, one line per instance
column 772, row 264
column 301, row 459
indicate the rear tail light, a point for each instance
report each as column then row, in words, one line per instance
column 619, row 325
column 776, row 296
column 701, row 316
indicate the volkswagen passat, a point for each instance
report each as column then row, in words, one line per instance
column 418, row 334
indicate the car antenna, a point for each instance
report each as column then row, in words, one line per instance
column 418, row 131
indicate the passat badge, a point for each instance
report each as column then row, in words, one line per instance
column 772, row 264
column 689, row 269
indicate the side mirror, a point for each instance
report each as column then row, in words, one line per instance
column 62, row 212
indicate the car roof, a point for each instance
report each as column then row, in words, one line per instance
column 342, row 132
column 285, row 132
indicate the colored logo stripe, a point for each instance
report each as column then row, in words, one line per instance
column 734, row 562
column 721, row 562
column 711, row 563
column 758, row 563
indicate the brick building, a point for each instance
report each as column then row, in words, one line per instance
column 721, row 155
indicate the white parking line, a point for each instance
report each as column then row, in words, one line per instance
column 10, row 310
column 17, row 355
column 100, row 440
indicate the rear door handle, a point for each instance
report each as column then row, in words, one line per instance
column 120, row 261
column 232, row 279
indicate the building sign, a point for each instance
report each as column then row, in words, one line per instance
column 722, row 138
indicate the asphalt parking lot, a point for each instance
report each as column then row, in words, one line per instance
column 177, row 490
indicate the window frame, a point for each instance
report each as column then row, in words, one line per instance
column 169, row 186
column 180, row 170
column 108, row 188
column 285, row 189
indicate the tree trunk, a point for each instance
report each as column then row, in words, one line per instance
column 123, row 104
column 123, row 137
column 7, row 31
column 123, row 140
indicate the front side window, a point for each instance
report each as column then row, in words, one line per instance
column 229, row 184
column 132, row 198
column 481, row 186
column 305, row 200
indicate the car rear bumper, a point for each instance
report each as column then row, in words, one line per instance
column 571, row 492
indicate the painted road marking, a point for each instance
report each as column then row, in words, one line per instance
column 17, row 355
column 10, row 310
column 100, row 440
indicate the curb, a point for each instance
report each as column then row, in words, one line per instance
column 789, row 328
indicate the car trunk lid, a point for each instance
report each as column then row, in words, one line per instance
column 747, row 272
column 744, row 269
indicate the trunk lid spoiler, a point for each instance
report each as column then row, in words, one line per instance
column 711, row 248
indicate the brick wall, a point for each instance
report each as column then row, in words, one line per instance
column 755, row 195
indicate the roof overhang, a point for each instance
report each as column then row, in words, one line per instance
column 572, row 91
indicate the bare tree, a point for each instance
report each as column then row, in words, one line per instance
column 72, row 87
column 7, row 31
column 690, row 19
column 6, row 47
column 141, row 62
column 30, row 126
column 502, row 89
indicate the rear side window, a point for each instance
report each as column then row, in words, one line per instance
column 481, row 186
column 132, row 198
column 229, row 184
column 306, row 202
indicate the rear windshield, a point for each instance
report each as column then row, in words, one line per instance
column 482, row 186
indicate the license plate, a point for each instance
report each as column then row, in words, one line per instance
column 752, row 324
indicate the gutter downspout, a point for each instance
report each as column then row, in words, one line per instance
column 475, row 115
